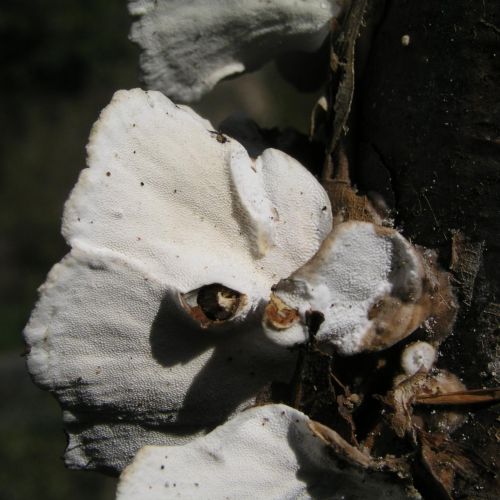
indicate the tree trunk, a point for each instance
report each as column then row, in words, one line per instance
column 428, row 139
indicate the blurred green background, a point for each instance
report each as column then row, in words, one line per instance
column 60, row 62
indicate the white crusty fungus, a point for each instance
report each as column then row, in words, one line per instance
column 418, row 356
column 271, row 451
column 365, row 286
column 190, row 46
column 149, row 330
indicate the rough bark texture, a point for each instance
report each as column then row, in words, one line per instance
column 428, row 119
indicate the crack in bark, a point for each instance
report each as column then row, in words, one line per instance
column 394, row 182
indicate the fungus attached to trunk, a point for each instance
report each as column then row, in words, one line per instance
column 418, row 356
column 271, row 451
column 366, row 281
column 190, row 46
column 155, row 313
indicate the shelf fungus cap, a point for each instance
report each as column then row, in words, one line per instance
column 187, row 47
column 363, row 291
column 149, row 330
column 271, row 451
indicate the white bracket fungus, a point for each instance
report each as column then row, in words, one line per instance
column 243, row 35
column 149, row 330
column 418, row 356
column 366, row 284
column 271, row 451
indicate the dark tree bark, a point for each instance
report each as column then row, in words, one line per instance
column 428, row 139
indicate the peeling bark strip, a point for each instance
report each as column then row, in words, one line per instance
column 342, row 65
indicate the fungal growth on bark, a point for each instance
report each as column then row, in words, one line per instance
column 240, row 328
column 190, row 46
column 418, row 356
column 271, row 451
column 367, row 284
column 176, row 239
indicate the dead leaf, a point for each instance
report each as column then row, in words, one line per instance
column 443, row 460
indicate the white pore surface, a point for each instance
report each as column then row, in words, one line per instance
column 189, row 46
column 164, row 208
column 355, row 266
column 418, row 356
column 265, row 453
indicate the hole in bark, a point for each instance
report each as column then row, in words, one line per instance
column 218, row 302
column 214, row 303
